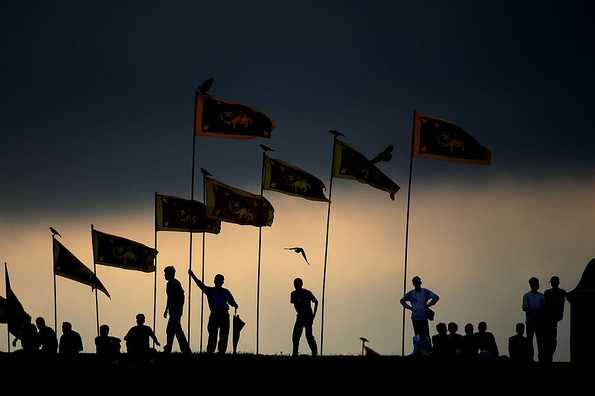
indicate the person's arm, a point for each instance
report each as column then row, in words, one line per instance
column 155, row 338
column 315, row 301
column 79, row 341
column 405, row 302
column 231, row 301
column 525, row 303
column 198, row 282
column 433, row 299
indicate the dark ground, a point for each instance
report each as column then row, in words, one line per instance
column 283, row 374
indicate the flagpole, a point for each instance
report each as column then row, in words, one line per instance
column 95, row 273
column 190, row 212
column 328, row 218
column 259, row 253
column 155, row 275
column 407, row 233
column 202, row 275
column 6, row 291
column 55, row 295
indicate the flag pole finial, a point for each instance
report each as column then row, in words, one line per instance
column 266, row 148
column 336, row 133
column 205, row 86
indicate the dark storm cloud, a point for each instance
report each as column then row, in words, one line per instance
column 96, row 104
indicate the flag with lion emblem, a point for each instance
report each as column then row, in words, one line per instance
column 223, row 118
column 173, row 214
column 283, row 177
column 351, row 164
column 115, row 251
column 233, row 205
column 443, row 140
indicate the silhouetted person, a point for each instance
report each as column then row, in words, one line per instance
column 70, row 341
column 27, row 335
column 106, row 346
column 518, row 345
column 534, row 307
column 418, row 301
column 582, row 317
column 218, row 298
column 174, row 307
column 470, row 345
column 46, row 337
column 486, row 342
column 455, row 340
column 440, row 342
column 302, row 300
column 554, row 312
column 137, row 338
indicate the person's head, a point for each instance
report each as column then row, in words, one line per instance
column 453, row 327
column 66, row 327
column 416, row 282
column 520, row 328
column 103, row 330
column 441, row 328
column 169, row 272
column 40, row 322
column 555, row 282
column 482, row 327
column 140, row 319
column 298, row 283
column 469, row 329
column 534, row 284
column 219, row 279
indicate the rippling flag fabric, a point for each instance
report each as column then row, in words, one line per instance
column 286, row 178
column 173, row 214
column 115, row 251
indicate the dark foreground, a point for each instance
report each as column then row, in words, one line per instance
column 282, row 374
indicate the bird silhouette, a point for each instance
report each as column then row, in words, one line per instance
column 385, row 155
column 205, row 86
column 205, row 172
column 336, row 133
column 299, row 250
column 266, row 148
column 54, row 232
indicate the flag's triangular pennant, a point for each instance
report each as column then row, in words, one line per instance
column 351, row 164
column 237, row 206
column 173, row 214
column 3, row 310
column 16, row 317
column 283, row 177
column 115, row 251
column 68, row 266
column 443, row 140
column 224, row 118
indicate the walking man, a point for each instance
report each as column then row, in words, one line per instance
column 301, row 299
column 418, row 301
column 534, row 307
column 174, row 308
column 554, row 312
column 218, row 298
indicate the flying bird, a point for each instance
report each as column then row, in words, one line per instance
column 205, row 86
column 385, row 155
column 205, row 172
column 336, row 133
column 300, row 250
column 54, row 232
column 266, row 148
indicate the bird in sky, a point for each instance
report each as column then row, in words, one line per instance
column 205, row 86
column 385, row 155
column 55, row 232
column 301, row 251
column 266, row 148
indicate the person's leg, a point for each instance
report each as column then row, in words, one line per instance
column 297, row 334
column 530, row 329
column 543, row 341
column 310, row 338
column 223, row 332
column 554, row 338
column 212, row 329
column 169, row 331
column 181, row 337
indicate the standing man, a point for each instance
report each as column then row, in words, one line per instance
column 301, row 299
column 174, row 307
column 418, row 301
column 554, row 312
column 218, row 298
column 534, row 307
column 46, row 337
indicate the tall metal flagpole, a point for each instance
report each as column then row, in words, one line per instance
column 407, row 232
column 328, row 218
column 202, row 275
column 259, row 253
column 6, row 291
column 55, row 295
column 95, row 273
column 190, row 212
column 155, row 275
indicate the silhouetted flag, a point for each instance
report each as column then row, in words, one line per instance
column 233, row 205
column 351, row 164
column 68, row 266
column 217, row 117
column 16, row 317
column 173, row 214
column 116, row 251
column 370, row 352
column 3, row 310
column 238, row 325
column 289, row 179
column 443, row 140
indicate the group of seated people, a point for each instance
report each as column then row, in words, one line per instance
column 449, row 344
